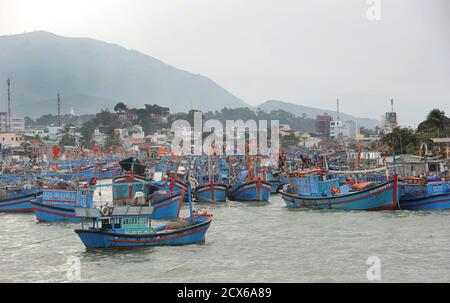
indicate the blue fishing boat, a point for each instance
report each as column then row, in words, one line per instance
column 319, row 191
column 209, row 185
column 211, row 192
column 247, row 186
column 248, row 191
column 58, row 202
column 129, row 190
column 18, row 200
column 424, row 194
column 128, row 227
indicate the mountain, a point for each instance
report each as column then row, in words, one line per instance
column 91, row 75
column 312, row 112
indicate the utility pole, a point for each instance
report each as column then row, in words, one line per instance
column 338, row 114
column 8, row 82
column 59, row 111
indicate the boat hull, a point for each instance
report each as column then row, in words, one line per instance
column 95, row 239
column 19, row 204
column 436, row 203
column 49, row 213
column 381, row 197
column 252, row 191
column 168, row 208
column 214, row 192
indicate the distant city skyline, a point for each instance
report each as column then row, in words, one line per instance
column 308, row 53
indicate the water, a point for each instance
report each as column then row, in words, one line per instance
column 246, row 243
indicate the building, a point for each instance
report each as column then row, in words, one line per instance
column 323, row 125
column 17, row 123
column 133, row 132
column 344, row 130
column 98, row 137
column 11, row 139
column 390, row 120
column 436, row 147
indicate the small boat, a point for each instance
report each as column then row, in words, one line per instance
column 128, row 227
column 58, row 202
column 316, row 190
column 138, row 190
column 248, row 191
column 424, row 194
column 17, row 200
column 211, row 192
column 209, row 185
column 248, row 186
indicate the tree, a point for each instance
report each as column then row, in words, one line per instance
column 113, row 140
column 436, row 124
column 87, row 137
column 404, row 140
column 67, row 138
column 120, row 107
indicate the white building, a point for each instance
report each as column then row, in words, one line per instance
column 344, row 130
column 17, row 123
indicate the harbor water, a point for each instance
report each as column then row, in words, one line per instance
column 246, row 243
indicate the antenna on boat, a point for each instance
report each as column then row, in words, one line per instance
column 8, row 82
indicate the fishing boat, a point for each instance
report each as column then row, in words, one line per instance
column 272, row 178
column 133, row 189
column 247, row 186
column 59, row 200
column 317, row 190
column 17, row 199
column 248, row 191
column 209, row 185
column 424, row 194
column 128, row 227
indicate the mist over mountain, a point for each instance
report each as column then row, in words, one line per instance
column 91, row 75
column 312, row 112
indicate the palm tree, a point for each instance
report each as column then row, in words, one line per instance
column 67, row 139
column 437, row 122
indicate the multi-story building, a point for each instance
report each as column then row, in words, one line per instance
column 323, row 125
column 17, row 123
column 344, row 130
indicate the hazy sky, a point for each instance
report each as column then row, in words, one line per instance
column 307, row 52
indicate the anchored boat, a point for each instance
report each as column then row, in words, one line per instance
column 17, row 200
column 58, row 202
column 424, row 194
column 127, row 227
column 317, row 190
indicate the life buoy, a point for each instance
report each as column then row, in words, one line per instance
column 106, row 211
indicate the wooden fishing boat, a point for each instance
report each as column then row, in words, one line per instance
column 209, row 185
column 128, row 227
column 58, row 202
column 129, row 189
column 17, row 200
column 250, row 191
column 211, row 192
column 246, row 185
column 316, row 193
column 424, row 194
